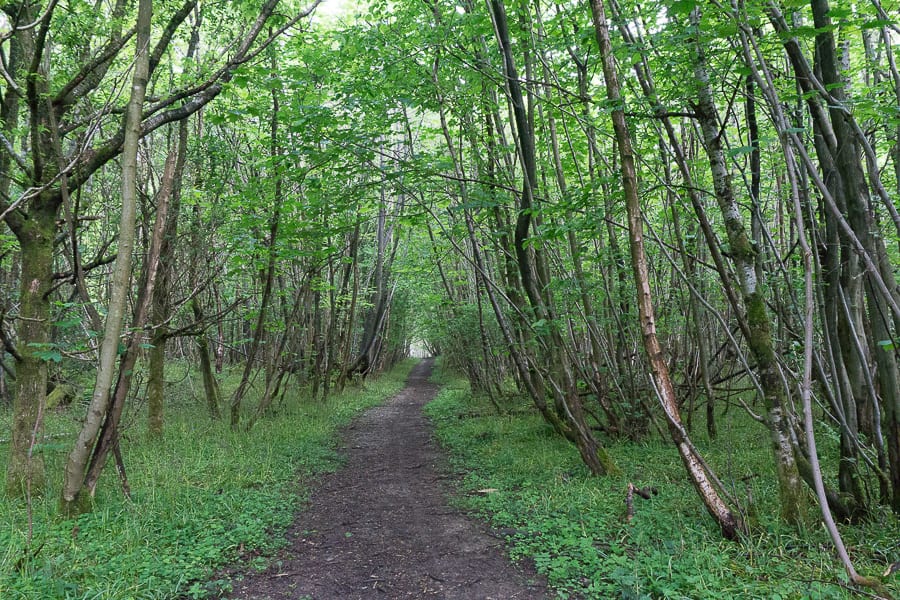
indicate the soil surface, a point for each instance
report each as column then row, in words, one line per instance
column 381, row 526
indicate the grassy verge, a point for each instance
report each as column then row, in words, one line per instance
column 573, row 525
column 202, row 497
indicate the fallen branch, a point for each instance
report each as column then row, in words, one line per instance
column 646, row 493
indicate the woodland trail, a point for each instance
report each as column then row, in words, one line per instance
column 381, row 526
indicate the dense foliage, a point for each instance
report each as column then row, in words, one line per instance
column 649, row 219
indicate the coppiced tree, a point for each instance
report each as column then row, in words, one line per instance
column 516, row 146
column 61, row 127
column 712, row 225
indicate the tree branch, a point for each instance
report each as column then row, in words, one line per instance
column 7, row 145
column 196, row 98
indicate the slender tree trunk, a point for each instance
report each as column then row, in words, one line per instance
column 701, row 476
column 220, row 334
column 330, row 330
column 533, row 270
column 764, row 78
column 862, row 219
column 160, row 307
column 210, row 385
column 592, row 370
column 351, row 273
column 78, row 458
column 806, row 397
column 364, row 363
column 276, row 369
column 109, row 433
column 793, row 497
column 843, row 145
column 259, row 331
column 794, row 147
column 697, row 313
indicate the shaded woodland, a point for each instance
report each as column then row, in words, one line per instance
column 647, row 218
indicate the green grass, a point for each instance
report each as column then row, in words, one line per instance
column 202, row 497
column 572, row 525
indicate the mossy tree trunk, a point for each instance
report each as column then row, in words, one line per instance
column 793, row 497
column 35, row 231
column 35, row 236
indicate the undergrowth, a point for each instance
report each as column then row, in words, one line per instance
column 531, row 485
column 202, row 497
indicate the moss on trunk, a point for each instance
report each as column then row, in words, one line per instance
column 34, row 327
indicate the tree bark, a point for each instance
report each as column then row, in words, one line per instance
column 170, row 197
column 161, row 304
column 840, row 143
column 794, row 504
column 78, row 457
column 729, row 522
column 36, row 239
column 35, row 234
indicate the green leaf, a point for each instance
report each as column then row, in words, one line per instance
column 69, row 322
column 741, row 150
column 682, row 7
column 46, row 352
column 840, row 12
column 877, row 24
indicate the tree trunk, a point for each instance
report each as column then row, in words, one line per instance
column 697, row 313
column 170, row 195
column 351, row 273
column 35, row 233
column 702, row 478
column 533, row 272
column 78, row 457
column 160, row 308
column 373, row 323
column 793, row 497
column 592, row 371
column 210, row 385
column 259, row 331
column 36, row 240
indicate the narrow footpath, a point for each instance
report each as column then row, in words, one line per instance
column 381, row 526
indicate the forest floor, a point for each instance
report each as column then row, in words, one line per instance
column 381, row 527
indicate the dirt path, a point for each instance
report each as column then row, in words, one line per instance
column 381, row 526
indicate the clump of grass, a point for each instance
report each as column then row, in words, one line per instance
column 202, row 497
column 572, row 525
